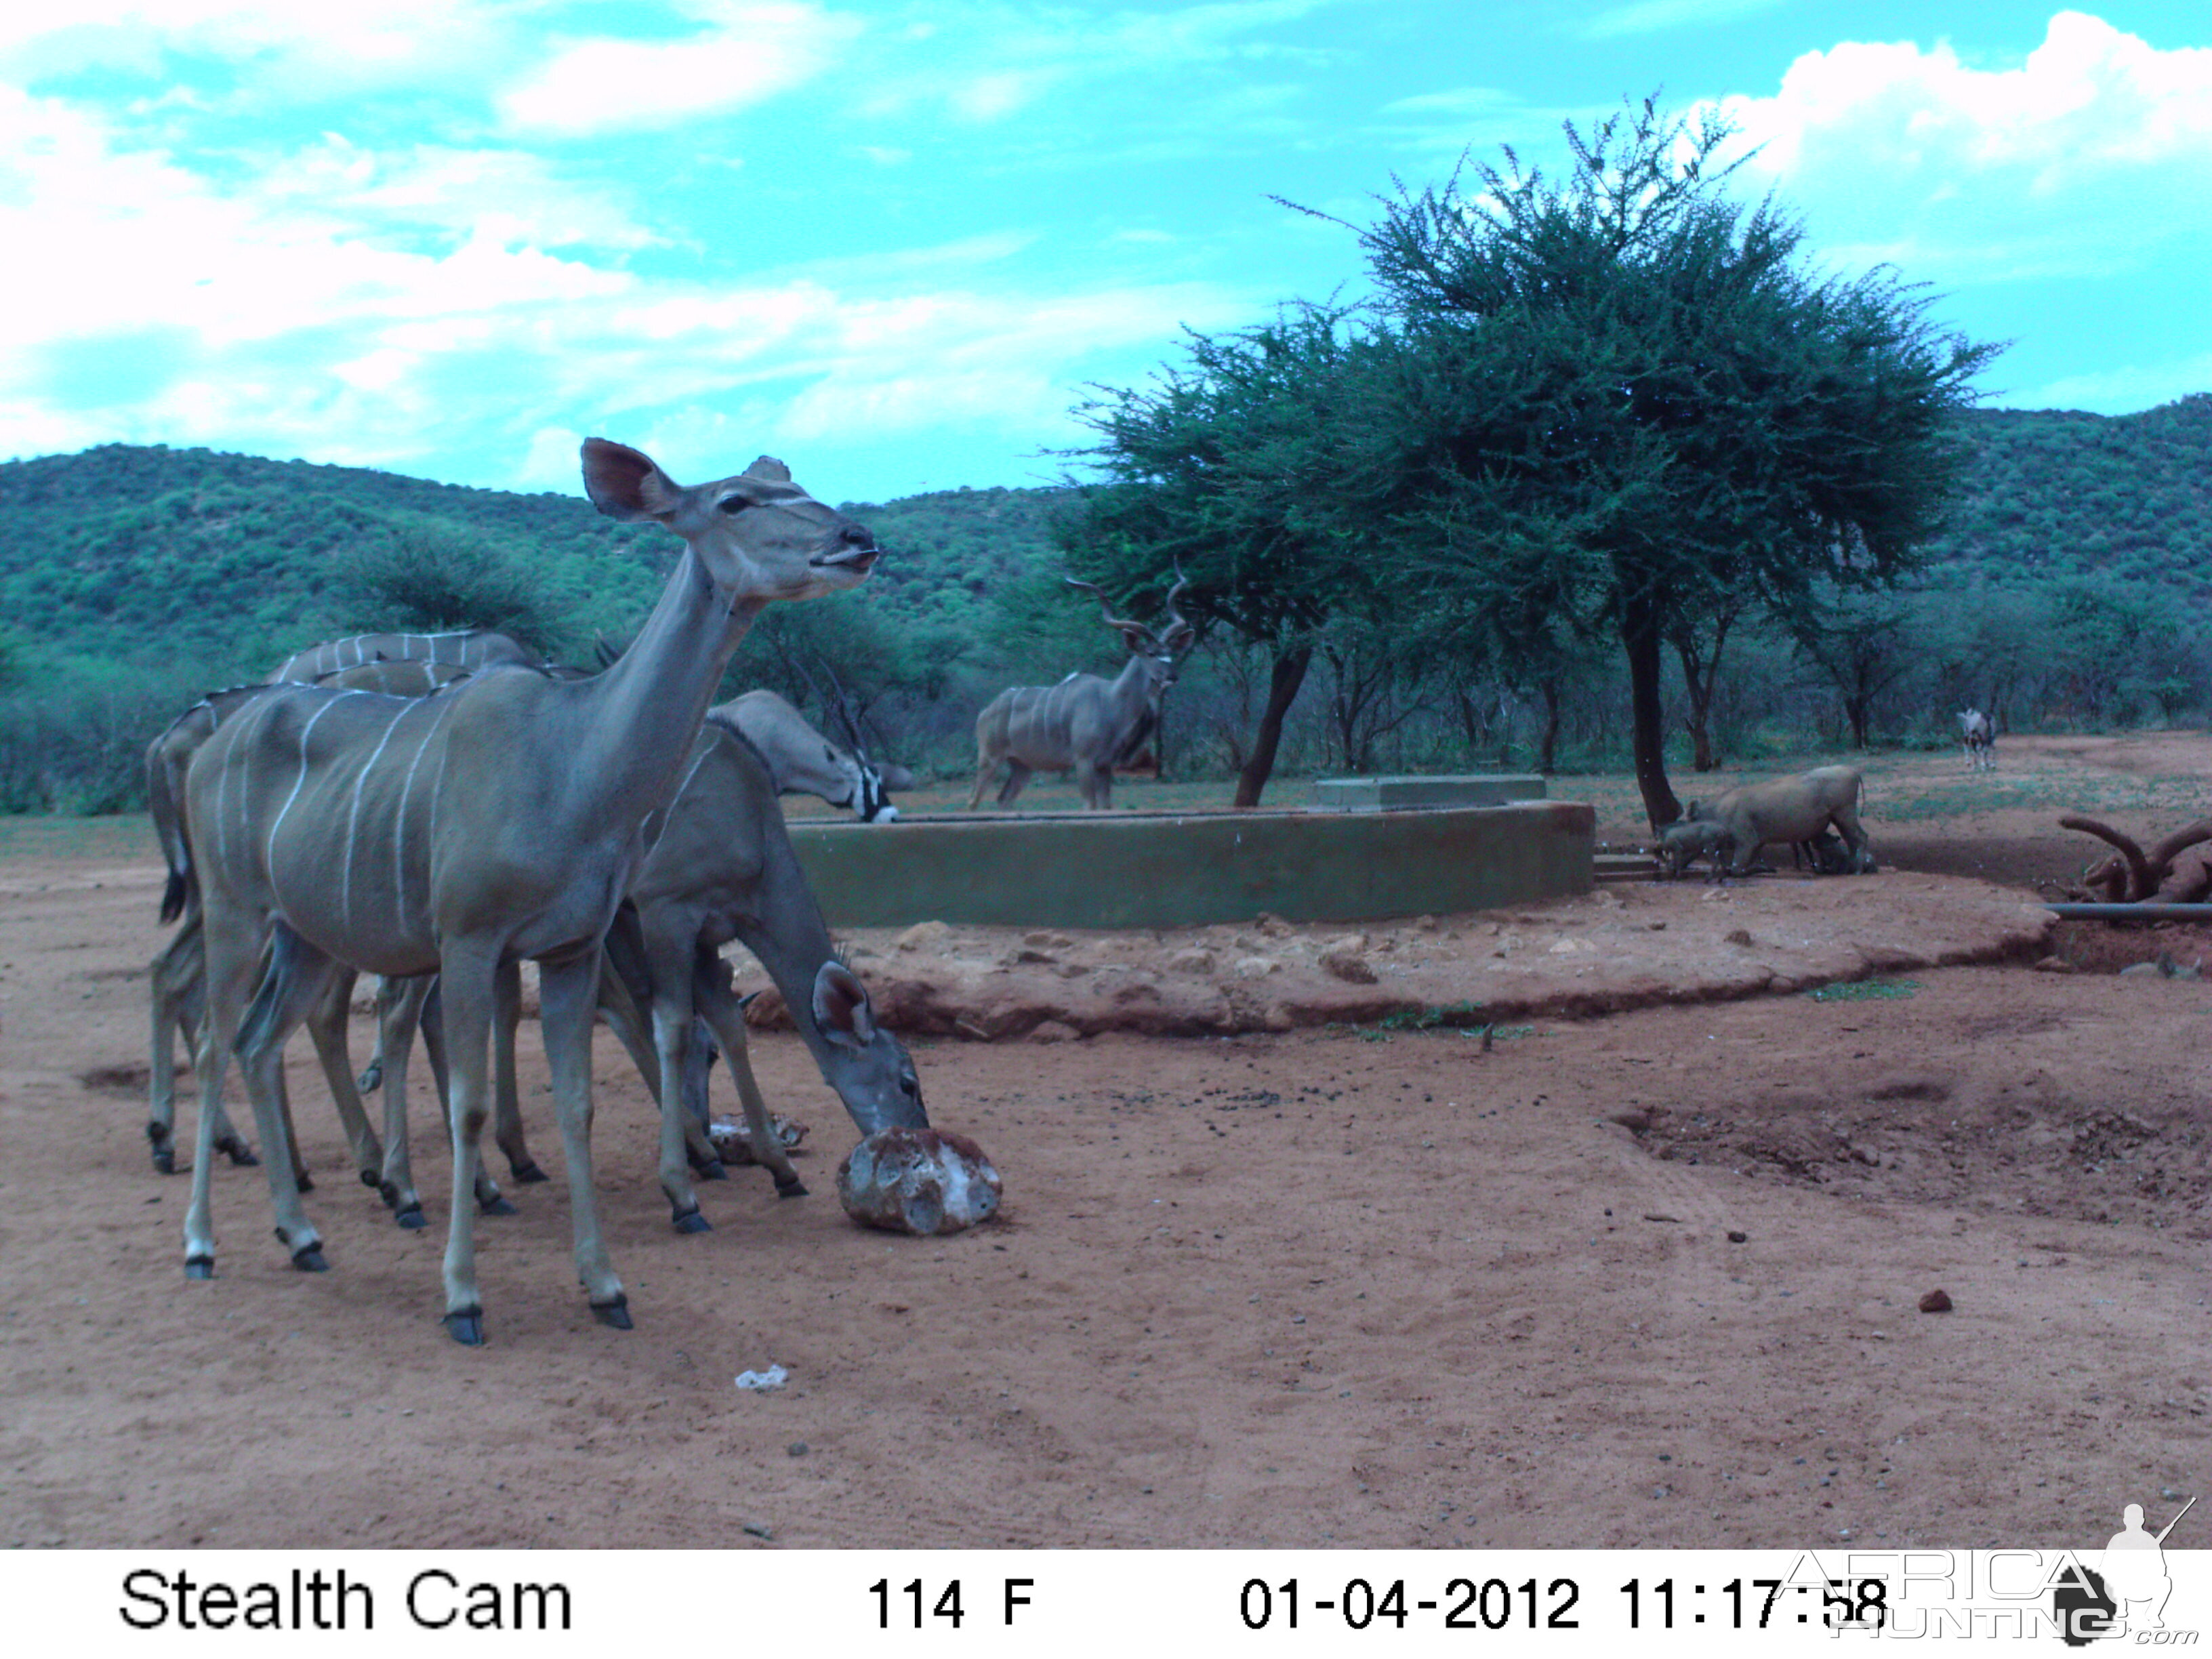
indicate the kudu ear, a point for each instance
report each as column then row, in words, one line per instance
column 625, row 483
column 841, row 1010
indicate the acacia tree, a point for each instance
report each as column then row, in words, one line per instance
column 1622, row 395
column 1246, row 468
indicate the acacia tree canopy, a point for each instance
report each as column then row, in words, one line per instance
column 1622, row 394
column 1245, row 469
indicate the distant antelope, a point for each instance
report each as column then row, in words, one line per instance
column 1085, row 724
column 1978, row 735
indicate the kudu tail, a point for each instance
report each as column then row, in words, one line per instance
column 173, row 895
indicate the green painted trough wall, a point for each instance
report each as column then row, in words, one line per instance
column 1179, row 870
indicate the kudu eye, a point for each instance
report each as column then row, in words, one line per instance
column 732, row 504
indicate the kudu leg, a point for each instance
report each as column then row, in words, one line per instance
column 465, row 1014
column 624, row 978
column 295, row 979
column 326, row 1026
column 726, row 1016
column 1018, row 777
column 399, row 1004
column 673, row 1017
column 566, row 994
column 507, row 1094
column 177, row 983
column 428, row 1005
column 230, row 955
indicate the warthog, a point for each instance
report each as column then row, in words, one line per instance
column 1681, row 845
column 1791, row 810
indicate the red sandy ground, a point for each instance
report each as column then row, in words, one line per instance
column 1329, row 1285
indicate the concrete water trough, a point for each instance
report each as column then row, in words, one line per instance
column 1189, row 869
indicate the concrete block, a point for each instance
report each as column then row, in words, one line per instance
column 1180, row 870
column 1400, row 794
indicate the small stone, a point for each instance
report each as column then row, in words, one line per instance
column 1256, row 967
column 1738, row 936
column 1053, row 1031
column 1047, row 940
column 1738, row 1238
column 1191, row 959
column 1633, row 1120
column 1273, row 925
column 923, row 935
column 1656, row 927
column 754, row 1529
column 1935, row 1302
column 796, row 1448
column 2053, row 966
column 1347, row 964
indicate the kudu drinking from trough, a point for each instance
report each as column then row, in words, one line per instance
column 498, row 820
column 804, row 762
column 1085, row 724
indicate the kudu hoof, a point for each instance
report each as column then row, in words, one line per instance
column 466, row 1327
column 691, row 1221
column 199, row 1266
column 412, row 1217
column 165, row 1160
column 712, row 1169
column 309, row 1258
column 527, row 1174
column 370, row 1178
column 370, row 1081
column 794, row 1187
column 242, row 1157
column 305, row 1182
column 495, row 1205
column 614, row 1313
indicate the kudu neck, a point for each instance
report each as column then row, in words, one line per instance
column 644, row 713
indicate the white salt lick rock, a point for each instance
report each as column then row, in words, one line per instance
column 918, row 1180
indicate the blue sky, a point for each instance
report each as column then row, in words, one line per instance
column 892, row 243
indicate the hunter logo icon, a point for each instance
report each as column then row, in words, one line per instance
column 2128, row 1595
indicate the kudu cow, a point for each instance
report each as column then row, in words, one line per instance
column 1085, row 724
column 1977, row 736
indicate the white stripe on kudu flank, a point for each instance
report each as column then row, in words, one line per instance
column 353, row 817
column 269, row 864
column 400, row 841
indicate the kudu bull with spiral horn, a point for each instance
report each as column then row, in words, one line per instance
column 1086, row 724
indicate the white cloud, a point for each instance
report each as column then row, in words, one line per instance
column 281, row 49
column 2076, row 160
column 610, row 85
column 361, row 307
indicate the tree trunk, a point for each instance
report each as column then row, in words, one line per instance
column 1547, row 753
column 1284, row 679
column 1640, row 634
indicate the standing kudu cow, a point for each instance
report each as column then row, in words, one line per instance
column 1085, row 724
column 497, row 822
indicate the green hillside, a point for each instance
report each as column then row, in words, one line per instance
column 131, row 579
column 157, row 555
column 2055, row 494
